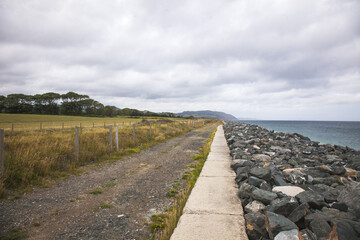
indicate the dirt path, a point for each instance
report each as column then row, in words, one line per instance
column 134, row 188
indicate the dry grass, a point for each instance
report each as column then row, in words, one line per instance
column 34, row 157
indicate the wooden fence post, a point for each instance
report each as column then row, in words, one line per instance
column 167, row 128
column 159, row 127
column 134, row 133
column 12, row 128
column 150, row 129
column 62, row 126
column 2, row 150
column 80, row 125
column 40, row 127
column 104, row 125
column 117, row 137
column 93, row 125
column 110, row 137
column 77, row 143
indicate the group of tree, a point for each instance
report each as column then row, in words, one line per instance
column 70, row 103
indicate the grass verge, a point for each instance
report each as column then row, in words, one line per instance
column 164, row 227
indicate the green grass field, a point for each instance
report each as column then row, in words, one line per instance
column 32, row 121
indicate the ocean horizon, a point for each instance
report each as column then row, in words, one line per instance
column 343, row 133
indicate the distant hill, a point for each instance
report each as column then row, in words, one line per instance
column 208, row 114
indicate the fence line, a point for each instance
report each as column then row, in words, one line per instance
column 150, row 129
column 117, row 137
column 110, row 138
column 176, row 125
column 77, row 154
column 134, row 133
column 2, row 150
column 62, row 125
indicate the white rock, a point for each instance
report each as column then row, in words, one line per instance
column 288, row 235
column 291, row 191
column 254, row 206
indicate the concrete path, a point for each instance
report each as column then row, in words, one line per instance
column 213, row 210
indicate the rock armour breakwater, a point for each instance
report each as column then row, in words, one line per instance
column 292, row 187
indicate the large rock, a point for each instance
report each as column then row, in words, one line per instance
column 331, row 195
column 279, row 181
column 295, row 175
column 333, row 214
column 261, row 157
column 263, row 196
column 307, row 234
column 343, row 231
column 280, row 149
column 254, row 206
column 291, row 191
column 288, row 235
column 265, row 186
column 332, row 158
column 340, row 206
column 263, row 173
column 300, row 212
column 254, row 181
column 283, row 206
column 276, row 223
column 245, row 190
column 255, row 226
column 241, row 174
column 240, row 163
column 320, row 227
column 350, row 195
column 314, row 199
column 338, row 170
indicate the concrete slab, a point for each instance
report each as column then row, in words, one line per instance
column 210, row 227
column 217, row 169
column 219, row 157
column 223, row 151
column 214, row 195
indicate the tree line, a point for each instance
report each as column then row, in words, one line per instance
column 70, row 103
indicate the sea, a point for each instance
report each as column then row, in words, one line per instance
column 331, row 132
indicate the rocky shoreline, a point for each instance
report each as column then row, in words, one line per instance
column 292, row 187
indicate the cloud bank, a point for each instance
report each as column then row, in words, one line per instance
column 263, row 59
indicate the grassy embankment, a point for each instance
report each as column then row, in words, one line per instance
column 32, row 157
column 163, row 225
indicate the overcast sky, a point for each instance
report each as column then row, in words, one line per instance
column 278, row 59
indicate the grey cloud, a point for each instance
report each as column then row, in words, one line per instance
column 253, row 55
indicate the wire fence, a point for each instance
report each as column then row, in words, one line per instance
column 28, row 155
